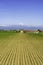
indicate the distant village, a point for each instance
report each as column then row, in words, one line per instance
column 25, row 31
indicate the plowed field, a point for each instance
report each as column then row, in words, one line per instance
column 21, row 49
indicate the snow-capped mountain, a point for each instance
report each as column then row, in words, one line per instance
column 17, row 27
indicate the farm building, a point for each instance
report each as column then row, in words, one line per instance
column 21, row 31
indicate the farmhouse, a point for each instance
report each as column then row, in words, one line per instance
column 36, row 31
column 21, row 31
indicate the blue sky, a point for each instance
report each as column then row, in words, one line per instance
column 24, row 12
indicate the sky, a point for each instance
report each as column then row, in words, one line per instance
column 21, row 12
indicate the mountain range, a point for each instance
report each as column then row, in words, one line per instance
column 18, row 27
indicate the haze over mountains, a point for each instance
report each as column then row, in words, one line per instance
column 18, row 27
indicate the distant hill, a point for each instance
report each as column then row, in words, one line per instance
column 18, row 27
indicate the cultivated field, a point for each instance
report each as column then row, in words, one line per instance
column 21, row 48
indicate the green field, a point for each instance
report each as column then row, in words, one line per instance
column 21, row 48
